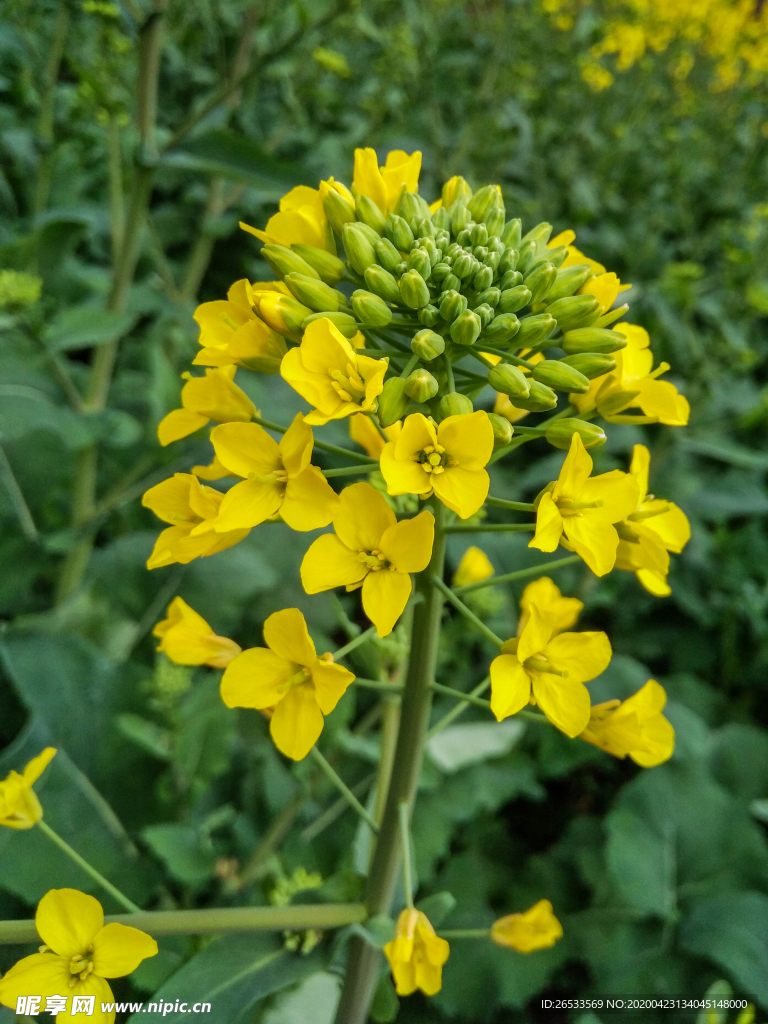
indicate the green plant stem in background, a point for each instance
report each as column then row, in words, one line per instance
column 464, row 933
column 492, row 528
column 468, row 615
column 346, row 471
column 405, row 838
column 342, row 652
column 344, row 789
column 337, row 808
column 519, row 574
column 378, row 684
column 17, row 499
column 513, row 506
column 390, row 724
column 88, row 868
column 453, row 714
column 469, row 698
column 47, row 109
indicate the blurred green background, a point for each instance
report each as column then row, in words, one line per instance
column 660, row 877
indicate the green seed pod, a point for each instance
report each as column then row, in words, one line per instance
column 483, row 278
column 513, row 299
column 427, row 345
column 442, row 219
column 393, row 402
column 423, row 227
column 494, row 220
column 489, row 296
column 568, row 281
column 343, row 322
column 429, row 315
column 452, row 304
column 285, row 261
column 482, row 201
column 465, row 329
column 454, row 189
column 421, row 386
column 460, row 216
column 386, row 254
column 540, row 280
column 534, row 329
column 560, row 432
column 560, row 376
column 485, row 313
column 511, row 279
column 398, row 231
column 338, row 210
column 501, row 329
column 556, row 256
column 409, row 209
column 329, row 267
column 479, row 235
column 358, row 247
column 313, row 293
column 512, row 233
column 591, row 364
column 451, row 283
column 574, row 311
column 454, row 404
column 382, row 283
column 539, row 234
column 508, row 261
column 440, row 271
column 370, row 310
column 369, row 213
column 527, row 256
column 502, row 430
column 419, row 260
column 540, row 398
column 463, row 265
column 592, row 339
column 414, row 291
column 509, row 380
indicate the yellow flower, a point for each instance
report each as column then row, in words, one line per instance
column 331, row 375
column 212, row 397
column 635, row 726
column 546, row 596
column 503, row 405
column 276, row 478
column 448, row 460
column 231, row 333
column 191, row 509
column 78, row 954
column 287, row 675
column 19, row 806
column 280, row 310
column 370, row 549
column 584, row 509
column 416, row 955
column 301, row 221
column 575, row 256
column 550, row 670
column 186, row 638
column 652, row 530
column 384, row 185
column 537, row 928
column 473, row 567
column 363, row 431
column 634, row 383
column 605, row 288
column 213, row 471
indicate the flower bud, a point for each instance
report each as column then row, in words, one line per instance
column 442, row 219
column 463, row 265
column 490, row 296
column 539, row 234
column 509, row 380
column 370, row 310
column 568, row 281
column 527, row 256
column 460, row 216
column 464, row 238
column 482, row 201
column 512, row 299
column 369, row 213
column 419, row 260
column 592, row 339
column 421, row 386
column 398, row 231
column 452, row 304
column 501, row 329
column 560, row 376
column 540, row 398
column 451, row 283
column 557, row 256
column 508, row 261
column 496, row 245
column 344, row 322
column 314, row 293
column 284, row 261
column 465, row 329
column 455, row 188
column 409, row 208
column 387, row 254
column 512, row 233
column 440, row 271
column 413, row 289
column 428, row 315
column 454, row 404
column 511, row 279
column 358, row 247
column 338, row 210
column 423, row 227
column 393, row 402
column 442, row 238
column 283, row 313
column 478, row 235
column 502, row 430
column 492, row 260
column 479, row 252
column 574, row 311
column 494, row 220
column 329, row 267
column 400, row 269
column 539, row 280
column 483, row 278
column 560, row 432
column 382, row 283
column 429, row 245
column 591, row 364
column 534, row 329
column 485, row 312
column 427, row 345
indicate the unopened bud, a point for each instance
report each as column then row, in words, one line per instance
column 463, row 265
column 344, row 322
column 400, row 269
column 478, row 235
column 440, row 271
column 527, row 256
column 382, row 283
column 387, row 255
column 591, row 364
column 427, row 345
column 393, row 402
column 464, row 238
column 540, row 398
column 483, row 278
column 421, row 386
column 494, row 220
column 560, row 432
column 560, row 376
column 314, row 293
column 409, row 208
column 413, row 289
column 490, row 296
column 540, row 280
column 442, row 238
column 285, row 261
column 428, row 315
column 369, row 213
column 454, row 404
column 329, row 267
column 508, row 261
column 455, row 188
column 492, row 260
column 592, row 339
column 429, row 245
column 419, row 260
column 557, row 256
column 534, row 329
column 502, row 430
column 370, row 310
column 512, row 233
column 465, row 329
column 509, row 380
column 512, row 299
column 482, row 201
column 338, row 210
column 460, row 216
column 501, row 329
column 452, row 304
column 511, row 279
column 574, row 311
column 398, row 231
column 539, row 234
column 496, row 245
column 451, row 283
column 568, row 281
column 423, row 227
column 442, row 219
column 283, row 313
column 485, row 313
column 358, row 247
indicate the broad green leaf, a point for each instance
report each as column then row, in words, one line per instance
column 85, row 326
column 234, row 155
column 183, row 850
column 315, row 999
column 459, row 746
column 24, row 410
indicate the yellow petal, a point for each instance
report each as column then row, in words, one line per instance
column 218, row 397
column 169, row 500
column 364, row 433
column 566, row 237
column 417, row 433
column 296, row 446
column 245, row 448
column 310, row 502
column 400, row 173
column 582, row 655
column 362, row 518
column 462, row 490
column 575, row 471
column 67, row 920
column 503, row 406
column 204, row 501
column 473, row 567
column 331, row 682
column 41, row 974
column 468, row 439
column 672, row 527
column 510, row 686
column 537, row 928
column 37, row 765
column 328, row 563
column 186, row 549
column 408, row 544
column 640, row 468
column 187, row 639
column 286, row 633
column 247, row 504
column 367, row 179
column 179, row 423
column 255, row 679
column 549, row 525
column 660, row 399
column 535, row 634
column 401, row 475
column 653, row 583
column 385, row 595
column 618, row 492
column 218, row 320
column 164, row 551
column 118, row 950
column 547, row 597
column 566, row 704
column 213, row 471
column 297, row 722
column 594, row 540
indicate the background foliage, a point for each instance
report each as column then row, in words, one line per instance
column 660, row 877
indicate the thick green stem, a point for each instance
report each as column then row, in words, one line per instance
column 47, row 108
column 363, row 966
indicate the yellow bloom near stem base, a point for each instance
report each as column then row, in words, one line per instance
column 536, row 928
column 212, row 397
column 79, row 953
column 287, row 675
column 474, row 566
column 187, row 639
column 634, row 727
column 416, row 955
column 19, row 806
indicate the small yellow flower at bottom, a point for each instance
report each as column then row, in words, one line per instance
column 187, row 639
column 78, row 954
column 634, row 727
column 416, row 955
column 287, row 675
column 536, row 928
column 19, row 806
column 474, row 566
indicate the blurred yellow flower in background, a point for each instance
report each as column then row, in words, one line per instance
column 634, row 727
column 536, row 928
column 416, row 954
column 19, row 806
column 187, row 639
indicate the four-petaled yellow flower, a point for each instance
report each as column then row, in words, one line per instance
column 474, row 566
column 585, row 509
column 633, row 384
column 288, row 675
column 448, row 460
column 276, row 478
column 370, row 549
column 186, row 638
column 536, row 928
column 649, row 533
column 416, row 954
column 546, row 596
column 550, row 670
column 363, row 431
column 232, row 334
column 191, row 509
column 384, row 185
column 79, row 953
column 635, row 726
column 331, row 375
column 19, row 806
column 212, row 397
column 301, row 221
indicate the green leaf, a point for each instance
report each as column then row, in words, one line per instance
column 437, row 907
column 182, row 850
column 315, row 999
column 385, row 1005
column 459, row 746
column 234, row 155
column 84, row 326
column 24, row 409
